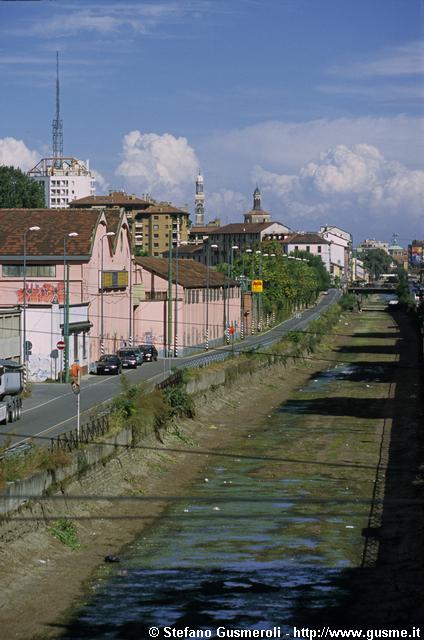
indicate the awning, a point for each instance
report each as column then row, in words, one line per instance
column 78, row 327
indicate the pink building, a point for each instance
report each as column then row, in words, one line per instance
column 90, row 242
column 203, row 305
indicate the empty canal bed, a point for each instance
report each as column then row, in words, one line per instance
column 299, row 523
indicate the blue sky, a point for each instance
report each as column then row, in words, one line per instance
column 319, row 102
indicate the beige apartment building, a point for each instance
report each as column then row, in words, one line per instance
column 150, row 221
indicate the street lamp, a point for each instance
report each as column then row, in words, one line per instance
column 109, row 234
column 25, row 347
column 208, row 264
column 73, row 234
column 233, row 248
column 259, row 254
column 252, row 325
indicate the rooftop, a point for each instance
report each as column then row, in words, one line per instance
column 191, row 274
column 308, row 237
column 241, row 227
column 54, row 225
column 114, row 199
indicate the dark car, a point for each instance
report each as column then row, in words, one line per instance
column 149, row 352
column 108, row 363
column 128, row 358
column 138, row 355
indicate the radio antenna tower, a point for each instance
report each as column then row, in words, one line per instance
column 57, row 126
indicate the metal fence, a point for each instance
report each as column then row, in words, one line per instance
column 69, row 440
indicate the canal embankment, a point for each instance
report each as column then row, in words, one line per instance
column 150, row 473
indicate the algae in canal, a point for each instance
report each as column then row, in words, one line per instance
column 282, row 516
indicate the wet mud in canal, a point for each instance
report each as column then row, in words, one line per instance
column 310, row 517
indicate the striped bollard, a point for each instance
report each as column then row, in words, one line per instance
column 242, row 330
column 206, row 339
column 176, row 346
column 102, row 347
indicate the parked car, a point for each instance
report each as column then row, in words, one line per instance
column 138, row 355
column 128, row 358
column 109, row 363
column 149, row 352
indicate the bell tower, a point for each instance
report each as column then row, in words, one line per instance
column 199, row 202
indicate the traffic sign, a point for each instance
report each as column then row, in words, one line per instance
column 60, row 344
column 257, row 286
column 75, row 387
column 232, row 330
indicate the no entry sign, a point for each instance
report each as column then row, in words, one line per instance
column 60, row 345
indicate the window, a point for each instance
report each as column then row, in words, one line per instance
column 197, row 295
column 33, row 271
column 84, row 345
column 308, row 249
column 319, row 249
column 156, row 235
column 155, row 217
column 155, row 227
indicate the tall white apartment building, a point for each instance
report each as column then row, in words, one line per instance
column 64, row 180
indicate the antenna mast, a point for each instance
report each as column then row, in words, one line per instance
column 57, row 127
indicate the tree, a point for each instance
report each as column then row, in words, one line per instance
column 18, row 191
column 377, row 261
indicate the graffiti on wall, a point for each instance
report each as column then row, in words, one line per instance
column 42, row 293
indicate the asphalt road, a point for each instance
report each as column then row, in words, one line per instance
column 52, row 408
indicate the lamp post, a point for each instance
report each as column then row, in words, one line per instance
column 176, row 291
column 252, row 326
column 109, row 234
column 25, row 348
column 208, row 265
column 259, row 254
column 73, row 234
column 233, row 248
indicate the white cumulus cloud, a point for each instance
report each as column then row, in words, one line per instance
column 356, row 187
column 162, row 165
column 15, row 153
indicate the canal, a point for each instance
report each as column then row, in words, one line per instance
column 266, row 530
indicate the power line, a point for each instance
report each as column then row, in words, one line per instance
column 220, row 454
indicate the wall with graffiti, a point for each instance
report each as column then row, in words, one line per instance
column 42, row 293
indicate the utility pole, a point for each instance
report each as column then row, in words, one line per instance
column 176, row 293
column 169, row 340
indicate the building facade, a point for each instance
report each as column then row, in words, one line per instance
column 150, row 222
column 311, row 243
column 63, row 180
column 340, row 251
column 95, row 247
column 203, row 306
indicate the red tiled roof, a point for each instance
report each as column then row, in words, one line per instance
column 54, row 225
column 204, row 230
column 191, row 274
column 164, row 207
column 116, row 199
column 241, row 227
column 304, row 238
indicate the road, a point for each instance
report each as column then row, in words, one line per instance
column 52, row 408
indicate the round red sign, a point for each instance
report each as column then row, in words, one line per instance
column 60, row 345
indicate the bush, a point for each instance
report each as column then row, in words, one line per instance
column 65, row 531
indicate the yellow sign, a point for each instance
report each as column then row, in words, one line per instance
column 257, row 286
column 115, row 279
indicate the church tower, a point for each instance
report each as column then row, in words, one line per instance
column 199, row 203
column 257, row 214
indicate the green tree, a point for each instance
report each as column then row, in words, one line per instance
column 18, row 191
column 377, row 261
